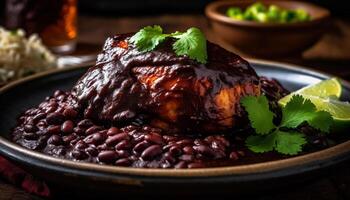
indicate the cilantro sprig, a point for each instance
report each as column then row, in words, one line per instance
column 283, row 137
column 191, row 43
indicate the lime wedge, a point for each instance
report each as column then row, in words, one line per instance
column 325, row 95
column 324, row 89
column 338, row 109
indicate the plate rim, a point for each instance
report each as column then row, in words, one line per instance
column 288, row 166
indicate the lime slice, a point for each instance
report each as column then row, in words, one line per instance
column 338, row 109
column 324, row 89
column 325, row 95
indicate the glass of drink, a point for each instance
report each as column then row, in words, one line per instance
column 54, row 20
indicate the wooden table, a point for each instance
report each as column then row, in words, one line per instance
column 331, row 54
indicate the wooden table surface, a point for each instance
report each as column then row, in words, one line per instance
column 331, row 54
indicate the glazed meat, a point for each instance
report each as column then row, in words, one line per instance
column 175, row 91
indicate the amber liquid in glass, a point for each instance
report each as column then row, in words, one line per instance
column 54, row 20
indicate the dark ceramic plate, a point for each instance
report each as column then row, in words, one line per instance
column 21, row 95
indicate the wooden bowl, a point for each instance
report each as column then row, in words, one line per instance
column 267, row 39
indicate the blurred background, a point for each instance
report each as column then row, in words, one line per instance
column 86, row 31
column 155, row 7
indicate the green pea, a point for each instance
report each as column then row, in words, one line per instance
column 302, row 15
column 262, row 17
column 260, row 13
column 234, row 12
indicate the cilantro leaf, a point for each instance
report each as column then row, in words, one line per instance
column 261, row 144
column 148, row 38
column 297, row 111
column 193, row 44
column 259, row 114
column 322, row 121
column 289, row 143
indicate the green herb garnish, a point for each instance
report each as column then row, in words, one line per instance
column 272, row 13
column 191, row 43
column 284, row 137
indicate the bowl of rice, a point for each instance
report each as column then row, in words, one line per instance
column 21, row 56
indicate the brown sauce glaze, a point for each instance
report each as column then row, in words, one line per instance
column 176, row 91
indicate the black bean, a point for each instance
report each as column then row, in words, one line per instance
column 199, row 142
column 61, row 97
column 55, row 118
column 54, row 130
column 80, row 145
column 100, row 136
column 139, row 147
column 123, row 153
column 169, row 138
column 151, row 151
column 154, row 138
column 113, row 131
column 67, row 127
column 205, row 150
column 50, row 109
column 59, row 110
column 92, row 151
column 181, row 165
column 58, row 93
column 113, row 140
column 218, row 154
column 89, row 139
column 184, row 142
column 175, row 150
column 217, row 145
column 55, row 140
column 186, row 157
column 124, row 115
column 78, row 130
column 224, row 141
column 234, row 155
column 123, row 162
column 70, row 113
column 168, row 157
column 79, row 155
column 188, row 150
column 139, row 138
column 41, row 124
column 168, row 146
column 107, row 156
column 74, row 141
column 38, row 117
column 93, row 129
column 102, row 147
column 123, row 145
column 86, row 123
column 67, row 139
column 30, row 128
column 96, row 138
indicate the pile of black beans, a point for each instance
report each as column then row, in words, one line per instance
column 57, row 129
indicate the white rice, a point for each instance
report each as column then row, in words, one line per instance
column 21, row 56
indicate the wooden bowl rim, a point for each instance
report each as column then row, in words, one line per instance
column 212, row 13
